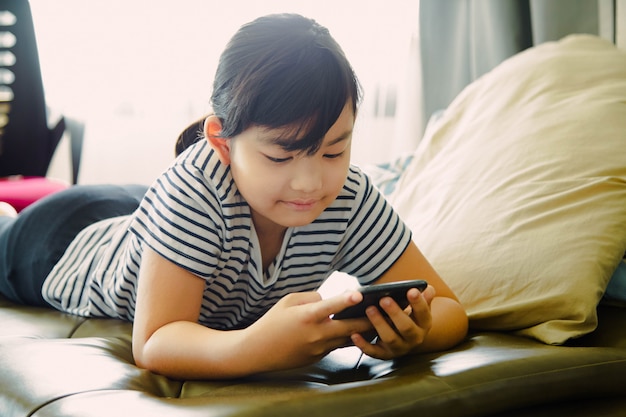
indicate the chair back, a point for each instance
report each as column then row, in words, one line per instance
column 26, row 142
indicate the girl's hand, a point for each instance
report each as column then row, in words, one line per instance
column 403, row 331
column 167, row 338
column 298, row 330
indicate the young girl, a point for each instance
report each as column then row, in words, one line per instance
column 218, row 264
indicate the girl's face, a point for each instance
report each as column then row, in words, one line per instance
column 286, row 189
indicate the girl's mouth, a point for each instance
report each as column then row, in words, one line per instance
column 301, row 205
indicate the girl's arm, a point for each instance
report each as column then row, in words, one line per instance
column 168, row 340
column 437, row 320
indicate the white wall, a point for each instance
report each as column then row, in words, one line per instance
column 138, row 71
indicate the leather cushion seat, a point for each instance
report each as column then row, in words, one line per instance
column 54, row 364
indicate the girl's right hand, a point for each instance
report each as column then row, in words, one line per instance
column 167, row 338
column 298, row 330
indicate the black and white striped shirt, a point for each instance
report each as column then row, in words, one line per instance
column 195, row 217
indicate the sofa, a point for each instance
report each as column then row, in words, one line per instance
column 516, row 194
column 57, row 365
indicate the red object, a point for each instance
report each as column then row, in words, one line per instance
column 21, row 192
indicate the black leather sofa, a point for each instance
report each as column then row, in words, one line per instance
column 53, row 365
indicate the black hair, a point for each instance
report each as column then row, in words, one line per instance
column 283, row 71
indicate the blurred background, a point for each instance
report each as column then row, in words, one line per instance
column 137, row 72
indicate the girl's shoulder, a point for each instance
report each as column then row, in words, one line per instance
column 358, row 184
column 358, row 193
column 200, row 166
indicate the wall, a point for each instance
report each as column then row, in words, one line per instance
column 137, row 72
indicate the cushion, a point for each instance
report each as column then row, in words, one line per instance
column 20, row 192
column 385, row 175
column 518, row 195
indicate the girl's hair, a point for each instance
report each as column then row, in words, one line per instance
column 283, row 71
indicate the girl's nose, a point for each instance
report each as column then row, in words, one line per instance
column 307, row 175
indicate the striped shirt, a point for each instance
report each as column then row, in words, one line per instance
column 194, row 216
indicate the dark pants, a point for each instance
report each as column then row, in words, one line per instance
column 32, row 243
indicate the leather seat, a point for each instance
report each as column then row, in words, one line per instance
column 54, row 364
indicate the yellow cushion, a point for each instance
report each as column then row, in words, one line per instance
column 518, row 194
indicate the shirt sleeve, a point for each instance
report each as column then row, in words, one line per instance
column 375, row 237
column 181, row 219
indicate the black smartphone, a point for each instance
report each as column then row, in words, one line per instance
column 373, row 293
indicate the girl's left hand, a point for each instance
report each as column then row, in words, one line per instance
column 403, row 330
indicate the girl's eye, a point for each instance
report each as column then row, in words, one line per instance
column 277, row 160
column 333, row 155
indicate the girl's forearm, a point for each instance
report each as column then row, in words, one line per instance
column 449, row 325
column 186, row 350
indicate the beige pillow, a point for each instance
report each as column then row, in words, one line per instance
column 518, row 195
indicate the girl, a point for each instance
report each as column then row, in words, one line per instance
column 218, row 264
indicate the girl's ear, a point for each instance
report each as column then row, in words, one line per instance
column 212, row 129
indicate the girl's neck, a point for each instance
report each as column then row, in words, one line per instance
column 270, row 237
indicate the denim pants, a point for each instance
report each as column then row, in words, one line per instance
column 32, row 243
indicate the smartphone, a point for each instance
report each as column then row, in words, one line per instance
column 373, row 293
